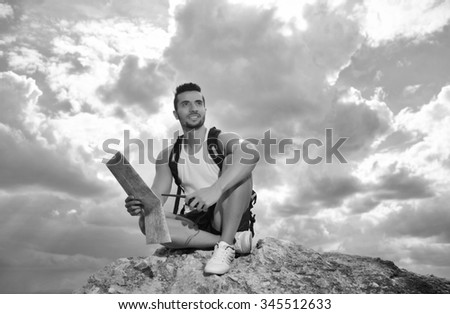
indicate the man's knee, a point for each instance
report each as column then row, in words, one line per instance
column 227, row 163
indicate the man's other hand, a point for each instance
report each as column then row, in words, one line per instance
column 134, row 206
column 204, row 198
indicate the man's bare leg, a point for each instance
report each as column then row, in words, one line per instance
column 231, row 206
column 228, row 215
column 185, row 234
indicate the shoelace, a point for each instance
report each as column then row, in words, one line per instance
column 225, row 255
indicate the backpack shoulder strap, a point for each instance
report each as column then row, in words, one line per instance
column 214, row 150
column 173, row 159
column 173, row 165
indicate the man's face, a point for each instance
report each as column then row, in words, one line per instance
column 190, row 110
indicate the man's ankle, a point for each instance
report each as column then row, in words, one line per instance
column 230, row 243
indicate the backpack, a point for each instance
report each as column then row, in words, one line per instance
column 216, row 155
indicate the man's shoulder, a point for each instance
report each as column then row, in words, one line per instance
column 226, row 136
column 227, row 139
column 164, row 155
column 223, row 134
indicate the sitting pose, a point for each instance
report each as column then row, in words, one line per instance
column 214, row 169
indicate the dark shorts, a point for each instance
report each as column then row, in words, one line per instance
column 203, row 220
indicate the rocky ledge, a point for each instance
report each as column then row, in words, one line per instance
column 275, row 266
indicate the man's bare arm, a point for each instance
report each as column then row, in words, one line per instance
column 162, row 183
column 244, row 157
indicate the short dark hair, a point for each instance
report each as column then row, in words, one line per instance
column 186, row 87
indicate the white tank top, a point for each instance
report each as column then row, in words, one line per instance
column 197, row 171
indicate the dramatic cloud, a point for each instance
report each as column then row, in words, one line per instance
column 26, row 60
column 6, row 11
column 415, row 234
column 26, row 156
column 138, row 86
column 402, row 184
column 423, row 157
column 19, row 95
column 409, row 73
column 417, row 220
column 59, row 248
column 388, row 20
column 75, row 76
column 364, row 122
column 249, row 63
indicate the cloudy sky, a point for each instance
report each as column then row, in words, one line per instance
column 76, row 73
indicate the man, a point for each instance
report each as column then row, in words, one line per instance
column 218, row 200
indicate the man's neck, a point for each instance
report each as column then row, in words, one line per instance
column 193, row 138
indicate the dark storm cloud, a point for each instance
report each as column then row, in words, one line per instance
column 25, row 160
column 48, row 245
column 399, row 64
column 253, row 76
column 26, row 164
column 361, row 124
column 319, row 191
column 402, row 184
column 423, row 220
column 55, row 227
column 138, row 86
column 363, row 204
column 330, row 191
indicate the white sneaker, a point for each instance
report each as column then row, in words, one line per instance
column 221, row 259
column 243, row 242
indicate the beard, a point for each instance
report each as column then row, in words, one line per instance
column 196, row 125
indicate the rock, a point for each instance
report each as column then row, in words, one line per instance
column 275, row 266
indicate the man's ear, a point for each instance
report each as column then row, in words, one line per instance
column 175, row 114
